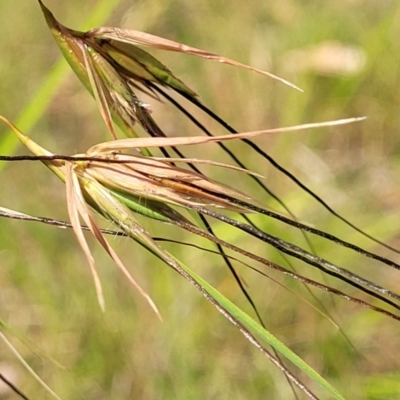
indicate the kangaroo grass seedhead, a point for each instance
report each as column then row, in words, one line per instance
column 135, row 184
column 152, row 182
column 112, row 67
column 116, row 184
column 83, row 190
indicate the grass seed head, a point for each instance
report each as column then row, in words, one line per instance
column 110, row 64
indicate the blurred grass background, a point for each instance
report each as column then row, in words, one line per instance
column 346, row 57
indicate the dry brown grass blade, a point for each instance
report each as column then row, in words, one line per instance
column 134, row 37
column 78, row 206
column 75, row 207
column 124, row 144
column 96, row 192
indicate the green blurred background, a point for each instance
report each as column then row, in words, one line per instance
column 346, row 57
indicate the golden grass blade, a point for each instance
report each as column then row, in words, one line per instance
column 99, row 195
column 141, row 38
column 75, row 207
column 124, row 144
column 56, row 166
